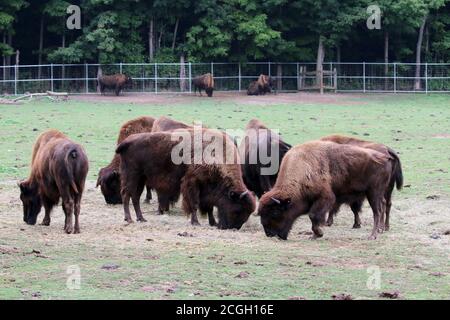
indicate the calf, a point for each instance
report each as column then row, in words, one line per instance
column 315, row 176
column 58, row 170
column 396, row 179
column 109, row 176
column 258, row 138
column 114, row 82
column 149, row 157
column 262, row 86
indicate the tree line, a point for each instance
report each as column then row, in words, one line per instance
column 217, row 30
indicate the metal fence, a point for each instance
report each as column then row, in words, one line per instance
column 176, row 77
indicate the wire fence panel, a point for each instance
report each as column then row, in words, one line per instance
column 177, row 77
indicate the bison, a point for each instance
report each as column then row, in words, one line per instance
column 204, row 82
column 149, row 157
column 262, row 86
column 109, row 176
column 396, row 179
column 58, row 170
column 316, row 176
column 164, row 123
column 258, row 138
column 114, row 82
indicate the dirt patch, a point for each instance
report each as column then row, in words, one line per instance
column 241, row 98
column 442, row 136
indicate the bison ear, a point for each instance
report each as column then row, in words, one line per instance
column 99, row 181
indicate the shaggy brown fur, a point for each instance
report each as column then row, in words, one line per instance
column 58, row 170
column 396, row 179
column 260, row 87
column 109, row 176
column 204, row 82
column 164, row 123
column 148, row 157
column 114, row 82
column 315, row 176
column 253, row 178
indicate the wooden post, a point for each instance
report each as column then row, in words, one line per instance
column 16, row 71
column 298, row 78
column 240, row 79
column 335, row 79
column 156, row 77
column 321, row 80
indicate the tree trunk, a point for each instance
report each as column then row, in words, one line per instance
column 182, row 74
column 160, row 37
column 63, row 45
column 175, row 34
column 386, row 60
column 41, row 45
column 338, row 58
column 418, row 84
column 319, row 65
column 99, row 74
column 4, row 57
column 10, row 40
column 151, row 41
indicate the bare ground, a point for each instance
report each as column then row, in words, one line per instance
column 270, row 99
column 417, row 245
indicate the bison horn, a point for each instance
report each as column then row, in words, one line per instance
column 243, row 194
column 275, row 200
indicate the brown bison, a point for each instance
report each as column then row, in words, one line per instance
column 317, row 175
column 396, row 179
column 204, row 82
column 58, row 170
column 150, row 157
column 114, row 82
column 256, row 154
column 262, row 86
column 109, row 176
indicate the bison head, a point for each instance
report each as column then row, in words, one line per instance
column 109, row 182
column 278, row 214
column 209, row 91
column 31, row 200
column 234, row 209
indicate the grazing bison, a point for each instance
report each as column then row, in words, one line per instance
column 204, row 82
column 260, row 139
column 396, row 179
column 109, row 176
column 204, row 185
column 58, row 170
column 262, row 86
column 315, row 176
column 114, row 82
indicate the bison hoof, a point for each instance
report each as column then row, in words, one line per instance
column 141, row 219
column 329, row 223
column 128, row 220
column 68, row 230
column 45, row 223
column 356, row 226
column 76, row 231
column 195, row 223
column 372, row 237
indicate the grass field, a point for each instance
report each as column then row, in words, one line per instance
column 167, row 258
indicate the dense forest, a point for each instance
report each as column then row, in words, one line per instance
column 216, row 30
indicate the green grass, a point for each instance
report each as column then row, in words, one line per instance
column 206, row 265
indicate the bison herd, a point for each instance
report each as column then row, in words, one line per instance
column 313, row 178
column 117, row 82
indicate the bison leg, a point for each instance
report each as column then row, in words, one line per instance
column 135, row 198
column 191, row 197
column 48, row 206
column 148, row 197
column 77, row 213
column 126, row 207
column 388, row 212
column 376, row 203
column 332, row 213
column 211, row 219
column 319, row 211
column 68, row 206
column 117, row 91
column 356, row 209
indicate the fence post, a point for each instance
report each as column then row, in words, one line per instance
column 120, row 67
column 426, row 77
column 335, row 79
column 395, row 77
column 364, row 77
column 156, row 77
column 86, row 77
column 239, row 65
column 212, row 69
column 269, row 69
column 51, row 77
column 15, row 78
column 298, row 77
column 190, row 77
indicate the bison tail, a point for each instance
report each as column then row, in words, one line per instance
column 123, row 147
column 71, row 155
column 398, row 173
